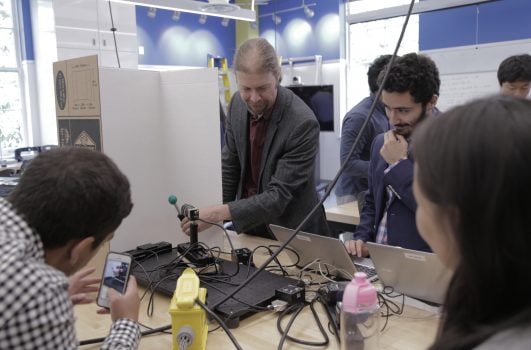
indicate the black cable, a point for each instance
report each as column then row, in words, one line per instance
column 389, row 308
column 284, row 273
column 215, row 329
column 91, row 341
column 220, row 322
column 224, row 230
column 153, row 285
column 284, row 332
column 151, row 302
column 331, row 320
column 319, row 324
column 296, row 263
column 298, row 308
column 151, row 328
column 113, row 30
column 162, row 329
column 339, row 172
column 156, row 330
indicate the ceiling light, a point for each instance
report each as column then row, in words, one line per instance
column 202, row 19
column 152, row 12
column 308, row 11
column 276, row 19
column 218, row 8
column 225, row 22
column 176, row 16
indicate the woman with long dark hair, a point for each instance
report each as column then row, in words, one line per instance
column 473, row 191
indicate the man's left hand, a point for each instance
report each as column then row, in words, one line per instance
column 81, row 284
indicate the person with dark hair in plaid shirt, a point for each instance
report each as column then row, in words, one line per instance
column 67, row 203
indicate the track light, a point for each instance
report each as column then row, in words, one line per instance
column 202, row 19
column 308, row 11
column 176, row 16
column 305, row 6
column 225, row 22
column 152, row 12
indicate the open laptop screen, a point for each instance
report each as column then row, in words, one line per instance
column 328, row 251
column 414, row 273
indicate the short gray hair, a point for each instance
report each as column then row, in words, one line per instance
column 257, row 56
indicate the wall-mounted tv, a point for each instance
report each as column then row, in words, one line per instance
column 320, row 98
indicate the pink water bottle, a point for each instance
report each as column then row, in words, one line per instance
column 360, row 315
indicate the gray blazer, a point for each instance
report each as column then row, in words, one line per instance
column 286, row 187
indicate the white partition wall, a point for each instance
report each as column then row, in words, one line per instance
column 191, row 137
column 162, row 129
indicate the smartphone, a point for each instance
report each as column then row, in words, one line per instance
column 115, row 275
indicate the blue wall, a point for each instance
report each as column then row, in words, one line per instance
column 187, row 42
column 26, row 39
column 182, row 43
column 476, row 24
column 299, row 36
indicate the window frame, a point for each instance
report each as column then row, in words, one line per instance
column 18, row 31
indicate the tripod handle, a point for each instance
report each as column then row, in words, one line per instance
column 193, row 232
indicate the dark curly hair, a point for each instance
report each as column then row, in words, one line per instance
column 374, row 71
column 72, row 193
column 415, row 73
column 515, row 68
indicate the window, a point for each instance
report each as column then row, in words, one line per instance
column 371, row 5
column 11, row 106
column 368, row 40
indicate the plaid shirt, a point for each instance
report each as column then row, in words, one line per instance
column 35, row 308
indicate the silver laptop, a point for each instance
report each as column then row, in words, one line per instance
column 414, row 273
column 327, row 250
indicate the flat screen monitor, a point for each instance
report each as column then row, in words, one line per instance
column 320, row 98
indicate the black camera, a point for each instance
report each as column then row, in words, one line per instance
column 191, row 212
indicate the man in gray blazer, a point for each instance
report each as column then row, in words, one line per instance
column 271, row 141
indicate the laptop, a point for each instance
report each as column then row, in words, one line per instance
column 327, row 250
column 417, row 274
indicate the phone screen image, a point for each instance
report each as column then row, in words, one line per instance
column 115, row 275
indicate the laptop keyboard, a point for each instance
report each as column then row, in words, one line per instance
column 369, row 271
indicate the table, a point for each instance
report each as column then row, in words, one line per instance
column 347, row 213
column 414, row 329
column 342, row 218
column 8, row 170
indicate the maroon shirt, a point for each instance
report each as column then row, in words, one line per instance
column 257, row 136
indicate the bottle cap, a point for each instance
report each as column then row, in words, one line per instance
column 360, row 295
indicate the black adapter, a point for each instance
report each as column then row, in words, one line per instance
column 291, row 294
column 332, row 292
column 160, row 247
column 196, row 254
column 150, row 249
column 242, row 256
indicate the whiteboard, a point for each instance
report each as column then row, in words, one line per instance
column 469, row 72
column 457, row 89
